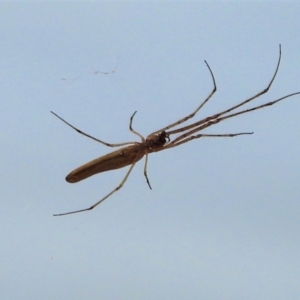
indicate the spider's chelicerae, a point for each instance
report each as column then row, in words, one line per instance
column 161, row 139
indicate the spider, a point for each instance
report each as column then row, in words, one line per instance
column 161, row 139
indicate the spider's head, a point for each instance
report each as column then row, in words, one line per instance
column 157, row 140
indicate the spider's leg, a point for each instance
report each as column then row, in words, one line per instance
column 215, row 116
column 132, row 130
column 89, row 136
column 145, row 171
column 215, row 121
column 104, row 198
column 197, row 109
column 190, row 138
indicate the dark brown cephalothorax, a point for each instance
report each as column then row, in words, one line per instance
column 160, row 139
column 156, row 141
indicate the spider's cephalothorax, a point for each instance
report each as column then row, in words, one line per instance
column 156, row 141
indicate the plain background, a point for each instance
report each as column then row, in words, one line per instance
column 222, row 220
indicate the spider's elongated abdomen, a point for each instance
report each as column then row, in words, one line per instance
column 111, row 161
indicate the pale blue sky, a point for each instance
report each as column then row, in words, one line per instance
column 222, row 220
